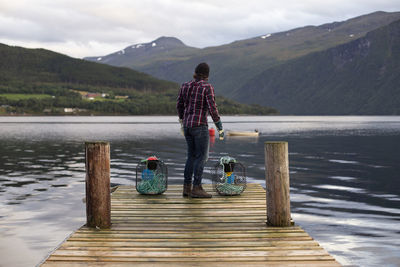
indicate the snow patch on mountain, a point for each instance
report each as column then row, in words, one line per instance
column 266, row 36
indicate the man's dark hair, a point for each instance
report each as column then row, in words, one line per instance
column 202, row 71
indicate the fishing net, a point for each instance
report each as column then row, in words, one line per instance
column 229, row 177
column 154, row 186
column 151, row 177
column 229, row 189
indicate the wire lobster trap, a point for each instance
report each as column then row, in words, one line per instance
column 229, row 177
column 151, row 176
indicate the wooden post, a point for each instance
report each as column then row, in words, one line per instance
column 277, row 183
column 98, row 195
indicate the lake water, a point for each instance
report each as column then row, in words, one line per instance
column 344, row 176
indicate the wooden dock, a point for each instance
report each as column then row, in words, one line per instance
column 169, row 230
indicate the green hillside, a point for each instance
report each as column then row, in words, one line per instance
column 360, row 77
column 39, row 65
column 38, row 81
column 234, row 64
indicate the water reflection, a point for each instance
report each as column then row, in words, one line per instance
column 344, row 173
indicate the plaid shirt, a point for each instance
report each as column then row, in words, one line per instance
column 196, row 98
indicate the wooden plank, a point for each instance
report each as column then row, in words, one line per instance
column 194, row 253
column 173, row 214
column 191, row 234
column 187, row 204
column 177, row 249
column 186, row 227
column 191, row 259
column 185, row 236
column 172, row 188
column 210, row 227
column 193, row 244
column 179, row 206
column 191, row 219
column 169, row 230
column 68, row 263
column 168, row 194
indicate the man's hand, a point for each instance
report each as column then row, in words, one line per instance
column 221, row 134
column 218, row 124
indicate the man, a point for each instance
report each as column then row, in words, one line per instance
column 196, row 99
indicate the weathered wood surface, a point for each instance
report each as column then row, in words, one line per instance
column 98, row 203
column 277, row 183
column 169, row 230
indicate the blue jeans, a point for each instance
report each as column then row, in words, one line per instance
column 197, row 139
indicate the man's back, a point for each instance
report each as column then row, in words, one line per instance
column 196, row 98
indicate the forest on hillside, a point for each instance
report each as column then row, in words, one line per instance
column 62, row 99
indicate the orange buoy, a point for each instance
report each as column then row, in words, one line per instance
column 211, row 131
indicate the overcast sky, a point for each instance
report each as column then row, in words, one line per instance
column 82, row 28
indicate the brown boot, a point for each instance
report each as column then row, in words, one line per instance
column 187, row 189
column 198, row 192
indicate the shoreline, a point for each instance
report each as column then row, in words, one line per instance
column 222, row 115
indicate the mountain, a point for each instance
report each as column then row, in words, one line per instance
column 359, row 77
column 234, row 65
column 158, row 53
column 38, row 81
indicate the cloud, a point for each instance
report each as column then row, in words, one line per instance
column 87, row 27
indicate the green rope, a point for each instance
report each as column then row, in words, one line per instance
column 229, row 189
column 226, row 160
column 153, row 186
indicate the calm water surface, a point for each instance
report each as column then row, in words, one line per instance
column 345, row 171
